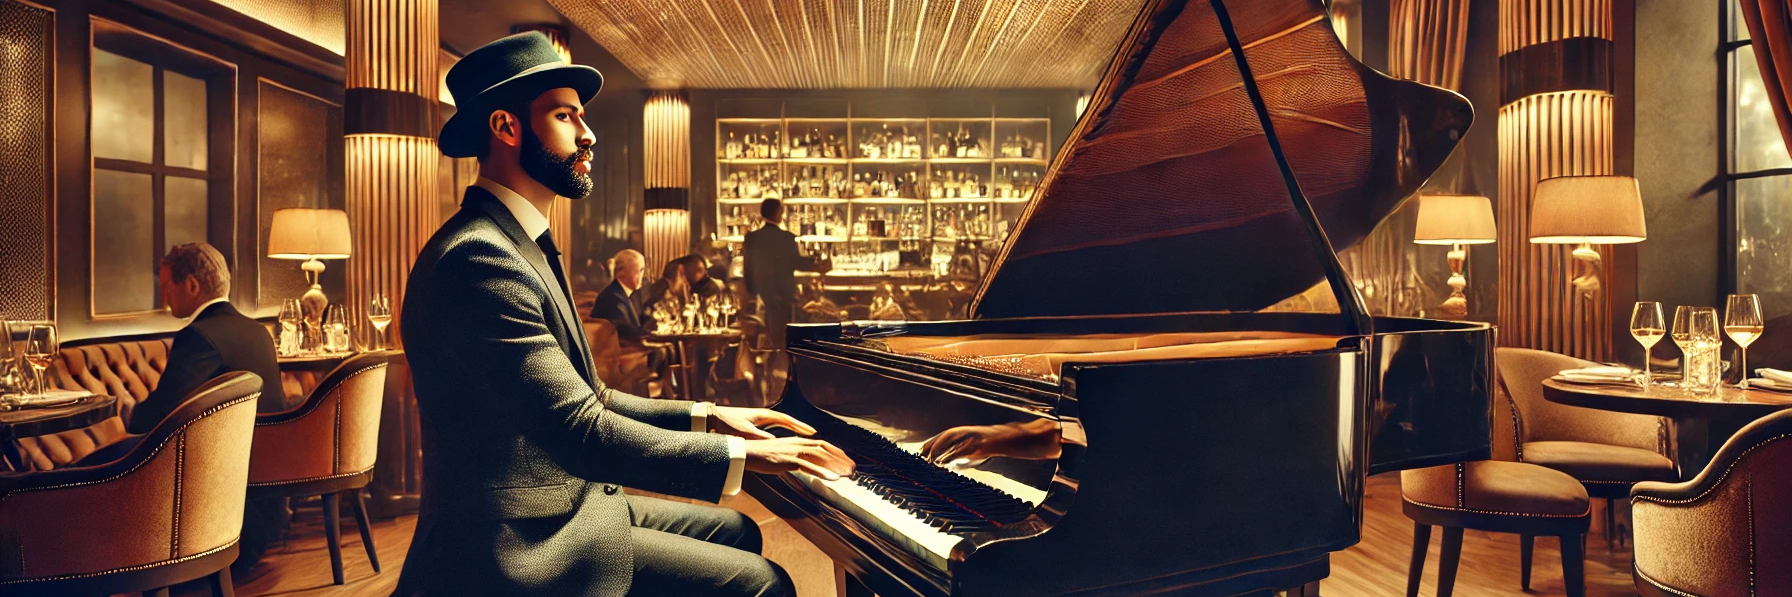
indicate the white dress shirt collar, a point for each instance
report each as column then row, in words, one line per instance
column 534, row 224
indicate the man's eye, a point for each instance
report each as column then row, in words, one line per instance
column 563, row 116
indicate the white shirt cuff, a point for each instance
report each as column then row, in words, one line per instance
column 700, row 416
column 737, row 465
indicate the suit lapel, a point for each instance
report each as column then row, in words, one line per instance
column 557, row 292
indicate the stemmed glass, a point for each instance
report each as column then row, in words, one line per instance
column 40, row 348
column 290, row 318
column 336, row 329
column 1647, row 327
column 8, row 361
column 1695, row 332
column 1742, row 321
column 379, row 313
column 690, row 314
column 711, row 308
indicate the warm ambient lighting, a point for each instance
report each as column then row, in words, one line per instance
column 667, row 151
column 1587, row 211
column 310, row 235
column 1455, row 220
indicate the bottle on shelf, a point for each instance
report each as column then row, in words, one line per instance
column 732, row 150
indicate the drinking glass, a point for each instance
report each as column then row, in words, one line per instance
column 379, row 313
column 40, row 348
column 1695, row 332
column 9, row 379
column 1647, row 327
column 711, row 308
column 1742, row 321
column 336, row 329
column 290, row 317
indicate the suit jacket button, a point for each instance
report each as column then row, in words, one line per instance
column 609, row 490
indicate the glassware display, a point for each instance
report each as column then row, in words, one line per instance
column 40, row 350
column 379, row 313
column 1743, row 323
column 1695, row 332
column 1647, row 327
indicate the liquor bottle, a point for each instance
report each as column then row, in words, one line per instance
column 732, row 149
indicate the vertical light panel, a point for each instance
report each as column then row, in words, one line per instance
column 560, row 216
column 391, row 152
column 667, row 151
column 1555, row 120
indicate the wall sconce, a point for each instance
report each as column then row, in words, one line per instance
column 1587, row 211
column 310, row 235
column 1455, row 220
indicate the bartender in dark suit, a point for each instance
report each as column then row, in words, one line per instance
column 771, row 259
column 524, row 448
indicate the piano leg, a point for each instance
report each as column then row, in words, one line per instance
column 846, row 585
column 1307, row 590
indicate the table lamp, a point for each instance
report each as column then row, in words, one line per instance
column 310, row 235
column 1455, row 220
column 1587, row 211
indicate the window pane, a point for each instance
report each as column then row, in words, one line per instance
column 184, row 129
column 1764, row 241
column 123, row 108
column 185, row 206
column 123, row 242
column 1757, row 134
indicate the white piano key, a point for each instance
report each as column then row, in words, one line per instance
column 902, row 527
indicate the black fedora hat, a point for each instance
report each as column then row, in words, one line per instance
column 515, row 68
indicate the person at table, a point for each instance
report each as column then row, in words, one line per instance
column 525, row 448
column 696, row 275
column 770, row 260
column 670, row 287
column 622, row 303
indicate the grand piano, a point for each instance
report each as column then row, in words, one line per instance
column 1132, row 406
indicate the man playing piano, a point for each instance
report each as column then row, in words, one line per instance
column 524, row 448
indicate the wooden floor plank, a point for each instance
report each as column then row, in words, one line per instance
column 1376, row 567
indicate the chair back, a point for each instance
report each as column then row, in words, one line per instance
column 177, row 496
column 1725, row 531
column 606, row 350
column 1521, row 373
column 334, row 434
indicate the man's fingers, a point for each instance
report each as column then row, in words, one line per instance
column 774, row 418
column 750, row 431
column 816, row 469
column 829, row 457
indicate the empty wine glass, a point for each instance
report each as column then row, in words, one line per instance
column 379, row 313
column 1647, row 327
column 40, row 348
column 1742, row 321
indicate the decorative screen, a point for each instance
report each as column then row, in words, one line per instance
column 25, row 199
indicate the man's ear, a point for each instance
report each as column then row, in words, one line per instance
column 190, row 285
column 504, row 127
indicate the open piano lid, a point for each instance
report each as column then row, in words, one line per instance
column 1169, row 195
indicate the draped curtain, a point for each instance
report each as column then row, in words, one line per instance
column 1770, row 31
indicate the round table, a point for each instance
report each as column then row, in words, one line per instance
column 29, row 422
column 686, row 350
column 1701, row 423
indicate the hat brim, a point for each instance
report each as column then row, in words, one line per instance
column 464, row 132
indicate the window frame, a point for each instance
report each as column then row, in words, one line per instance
column 220, row 78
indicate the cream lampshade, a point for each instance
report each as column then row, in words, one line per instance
column 1455, row 220
column 310, row 235
column 1587, row 211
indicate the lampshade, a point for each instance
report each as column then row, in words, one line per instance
column 1601, row 210
column 306, row 234
column 1455, row 220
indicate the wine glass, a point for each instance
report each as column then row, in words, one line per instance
column 8, row 363
column 690, row 314
column 1647, row 327
column 336, row 329
column 379, row 313
column 1742, row 321
column 40, row 348
column 711, row 308
column 290, row 316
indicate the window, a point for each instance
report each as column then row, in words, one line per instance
column 156, row 123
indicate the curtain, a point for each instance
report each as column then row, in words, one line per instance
column 1770, row 29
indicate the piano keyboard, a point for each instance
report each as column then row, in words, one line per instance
column 918, row 505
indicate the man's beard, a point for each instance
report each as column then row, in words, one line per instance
column 558, row 174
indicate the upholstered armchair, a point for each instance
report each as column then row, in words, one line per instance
column 621, row 367
column 168, row 512
column 1728, row 531
column 1607, row 451
column 326, row 447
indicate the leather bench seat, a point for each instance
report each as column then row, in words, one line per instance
column 128, row 370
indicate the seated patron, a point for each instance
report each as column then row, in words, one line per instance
column 622, row 302
column 671, row 286
column 696, row 275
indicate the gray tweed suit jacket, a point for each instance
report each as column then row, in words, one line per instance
column 523, row 447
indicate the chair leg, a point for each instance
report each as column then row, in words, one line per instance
column 1574, row 551
column 1446, row 563
column 221, row 585
column 1421, row 541
column 334, row 533
column 162, row 592
column 1611, row 520
column 1524, row 561
column 360, row 504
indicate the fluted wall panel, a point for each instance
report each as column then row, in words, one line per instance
column 1427, row 40
column 666, row 236
column 391, row 199
column 1531, row 22
column 393, row 45
column 668, row 144
column 1542, row 136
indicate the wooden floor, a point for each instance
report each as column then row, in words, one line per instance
column 1374, row 568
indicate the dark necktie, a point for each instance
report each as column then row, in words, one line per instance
column 546, row 242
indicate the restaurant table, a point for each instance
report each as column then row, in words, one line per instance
column 687, row 349
column 1701, row 423
column 28, row 422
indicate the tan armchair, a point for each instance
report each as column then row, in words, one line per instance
column 326, row 447
column 1607, row 451
column 621, row 367
column 1727, row 531
column 64, row 532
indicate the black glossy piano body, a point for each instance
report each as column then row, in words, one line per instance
column 1200, row 442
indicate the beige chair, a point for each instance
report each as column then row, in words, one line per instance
column 1607, row 451
column 326, row 447
column 1498, row 495
column 1728, row 531
column 168, row 512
